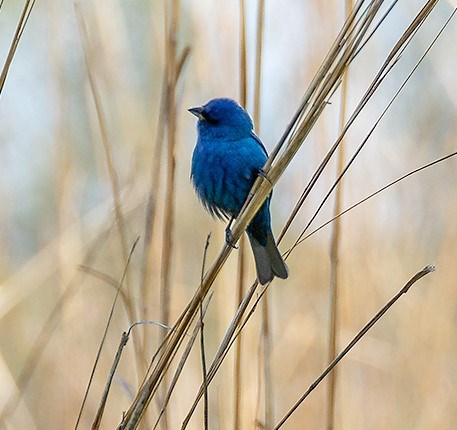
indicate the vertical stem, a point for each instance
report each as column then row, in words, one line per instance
column 202, row 343
column 151, row 209
column 242, row 245
column 268, row 388
column 168, row 225
column 115, row 186
column 266, row 329
column 258, row 62
column 26, row 11
column 237, row 370
column 334, row 262
column 243, row 55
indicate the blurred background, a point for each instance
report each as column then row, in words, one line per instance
column 62, row 250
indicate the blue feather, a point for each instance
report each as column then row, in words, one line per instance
column 226, row 161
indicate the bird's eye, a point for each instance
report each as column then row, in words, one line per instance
column 209, row 118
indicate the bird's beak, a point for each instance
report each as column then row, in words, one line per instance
column 197, row 111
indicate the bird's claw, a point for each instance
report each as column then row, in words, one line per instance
column 229, row 238
column 264, row 175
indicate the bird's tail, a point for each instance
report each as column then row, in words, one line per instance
column 268, row 260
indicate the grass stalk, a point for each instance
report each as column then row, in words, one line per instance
column 100, row 348
column 261, row 294
column 237, row 324
column 197, row 329
column 114, row 180
column 334, row 261
column 151, row 207
column 101, row 408
column 115, row 186
column 222, row 350
column 327, row 80
column 25, row 15
column 237, row 377
column 104, row 277
column 172, row 13
column 389, row 63
column 202, row 345
column 425, row 271
column 265, row 338
column 258, row 62
column 64, row 217
column 153, row 194
column 378, row 191
column 242, row 262
column 243, row 56
column 44, row 337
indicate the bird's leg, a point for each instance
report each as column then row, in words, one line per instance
column 264, row 175
column 229, row 235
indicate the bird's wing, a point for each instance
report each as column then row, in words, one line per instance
column 256, row 138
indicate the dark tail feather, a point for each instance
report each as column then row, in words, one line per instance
column 268, row 260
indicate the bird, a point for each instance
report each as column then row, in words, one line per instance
column 226, row 161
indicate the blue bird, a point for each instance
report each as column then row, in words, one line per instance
column 226, row 161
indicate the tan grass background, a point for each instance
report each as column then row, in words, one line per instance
column 57, row 214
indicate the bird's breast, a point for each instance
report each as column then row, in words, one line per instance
column 222, row 176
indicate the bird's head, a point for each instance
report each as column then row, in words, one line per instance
column 222, row 118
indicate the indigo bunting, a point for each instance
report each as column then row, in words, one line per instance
column 226, row 161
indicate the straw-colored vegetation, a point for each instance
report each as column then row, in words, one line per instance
column 114, row 298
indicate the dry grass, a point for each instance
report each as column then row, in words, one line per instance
column 97, row 146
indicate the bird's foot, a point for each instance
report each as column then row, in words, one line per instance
column 264, row 175
column 229, row 238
